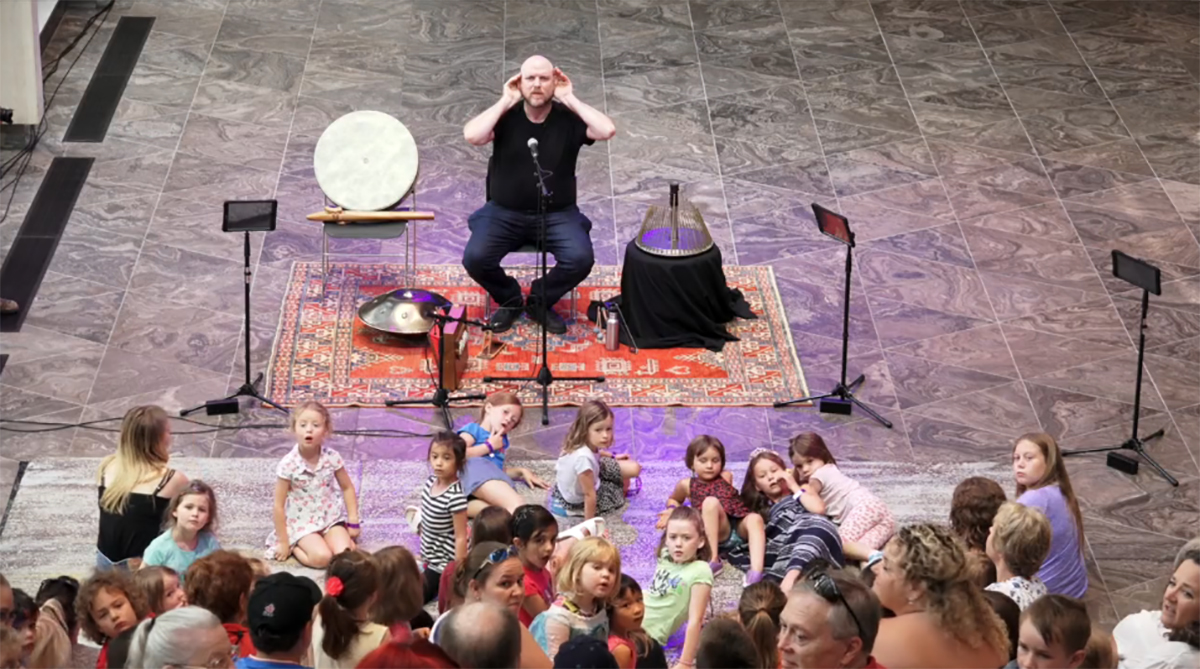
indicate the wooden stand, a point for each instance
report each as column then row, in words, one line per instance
column 454, row 350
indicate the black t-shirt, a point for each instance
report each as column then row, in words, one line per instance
column 511, row 180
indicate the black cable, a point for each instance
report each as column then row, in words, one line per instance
column 53, row 64
column 25, row 156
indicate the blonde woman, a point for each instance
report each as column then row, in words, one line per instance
column 1018, row 544
column 135, row 488
column 942, row 618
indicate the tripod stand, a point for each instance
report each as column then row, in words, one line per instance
column 841, row 399
column 544, row 377
column 442, row 397
column 1147, row 277
column 248, row 388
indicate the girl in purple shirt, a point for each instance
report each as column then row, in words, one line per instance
column 1042, row 483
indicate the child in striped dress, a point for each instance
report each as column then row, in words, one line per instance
column 443, row 524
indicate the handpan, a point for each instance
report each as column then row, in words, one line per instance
column 366, row 161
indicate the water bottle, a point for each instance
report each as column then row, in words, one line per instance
column 612, row 328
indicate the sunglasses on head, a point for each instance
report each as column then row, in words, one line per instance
column 824, row 585
column 495, row 557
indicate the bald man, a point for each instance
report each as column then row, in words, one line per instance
column 561, row 123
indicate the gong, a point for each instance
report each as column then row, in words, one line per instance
column 406, row 311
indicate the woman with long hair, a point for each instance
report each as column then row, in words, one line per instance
column 135, row 486
column 1170, row 637
column 924, row 579
column 1043, row 484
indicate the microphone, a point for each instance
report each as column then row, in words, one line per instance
column 533, row 146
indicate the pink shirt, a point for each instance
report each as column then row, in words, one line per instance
column 537, row 582
column 839, row 492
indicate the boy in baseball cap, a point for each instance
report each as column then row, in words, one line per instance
column 279, row 615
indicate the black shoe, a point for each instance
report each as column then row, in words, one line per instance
column 502, row 318
column 547, row 318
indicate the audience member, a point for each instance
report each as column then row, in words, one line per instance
column 486, row 480
column 186, row 637
column 1168, row 638
column 682, row 584
column 57, row 625
column 728, row 522
column 831, row 620
column 442, row 520
column 191, row 527
column 136, row 485
column 221, row 583
column 1101, row 651
column 10, row 648
column 492, row 573
column 413, row 653
column 923, row 579
column 6, row 602
column 342, row 634
column 724, row 644
column 492, row 523
column 279, row 616
column 161, row 588
column 399, row 601
column 107, row 605
column 1010, row 613
column 1043, row 483
column 628, row 641
column 973, row 507
column 24, row 622
column 482, row 634
column 795, row 537
column 864, row 522
column 759, row 609
column 589, row 478
column 584, row 652
column 534, row 532
column 586, row 584
column 1054, row 634
column 1017, row 545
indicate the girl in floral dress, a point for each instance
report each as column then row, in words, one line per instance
column 310, row 519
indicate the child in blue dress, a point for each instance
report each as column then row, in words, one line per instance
column 486, row 480
column 191, row 526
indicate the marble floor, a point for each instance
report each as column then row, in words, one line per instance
column 989, row 153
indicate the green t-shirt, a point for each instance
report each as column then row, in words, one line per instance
column 669, row 593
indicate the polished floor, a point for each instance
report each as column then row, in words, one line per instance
column 989, row 153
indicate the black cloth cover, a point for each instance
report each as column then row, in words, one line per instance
column 676, row 302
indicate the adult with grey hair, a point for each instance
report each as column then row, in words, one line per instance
column 481, row 634
column 1170, row 637
column 830, row 620
column 185, row 637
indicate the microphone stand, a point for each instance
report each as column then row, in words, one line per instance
column 544, row 377
column 441, row 397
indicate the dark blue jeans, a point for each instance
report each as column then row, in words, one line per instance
column 497, row 231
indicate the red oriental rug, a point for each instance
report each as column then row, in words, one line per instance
column 324, row 353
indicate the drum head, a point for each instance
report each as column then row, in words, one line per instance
column 366, row 161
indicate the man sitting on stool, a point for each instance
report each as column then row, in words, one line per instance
column 561, row 124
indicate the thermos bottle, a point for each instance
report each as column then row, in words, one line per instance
column 612, row 328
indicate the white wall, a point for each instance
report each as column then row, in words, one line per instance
column 44, row 8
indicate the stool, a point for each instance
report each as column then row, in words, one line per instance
column 526, row 248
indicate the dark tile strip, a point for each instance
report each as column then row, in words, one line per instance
column 3, row 361
column 104, row 91
column 33, row 249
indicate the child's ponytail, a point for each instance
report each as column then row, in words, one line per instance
column 351, row 580
column 759, row 610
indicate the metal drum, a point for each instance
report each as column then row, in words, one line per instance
column 405, row 311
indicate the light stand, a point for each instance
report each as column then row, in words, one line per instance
column 245, row 217
column 841, row 399
column 442, row 397
column 1149, row 279
column 544, row 377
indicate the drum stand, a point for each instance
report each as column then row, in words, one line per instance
column 442, row 397
column 544, row 376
